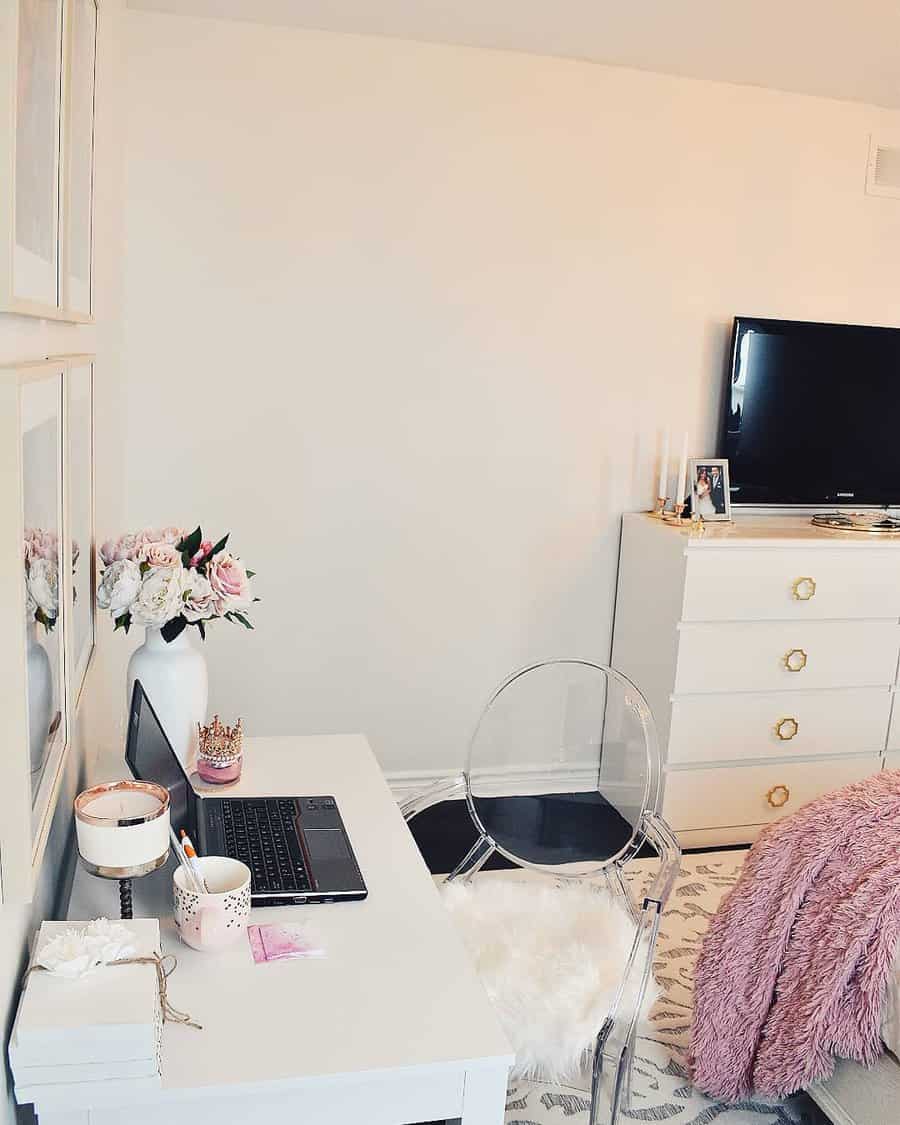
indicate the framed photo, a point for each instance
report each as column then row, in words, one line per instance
column 710, row 493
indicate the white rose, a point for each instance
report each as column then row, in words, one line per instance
column 30, row 603
column 121, row 584
column 160, row 598
column 199, row 599
column 43, row 585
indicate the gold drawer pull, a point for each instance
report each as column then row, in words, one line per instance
column 778, row 795
column 795, row 660
column 803, row 589
column 787, row 728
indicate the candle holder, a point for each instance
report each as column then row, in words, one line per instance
column 676, row 517
column 221, row 752
column 659, row 512
column 122, row 829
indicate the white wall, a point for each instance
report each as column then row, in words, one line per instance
column 408, row 320
column 22, row 339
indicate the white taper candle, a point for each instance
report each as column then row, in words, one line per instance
column 664, row 469
column 682, row 471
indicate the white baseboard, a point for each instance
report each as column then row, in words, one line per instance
column 548, row 778
column 406, row 783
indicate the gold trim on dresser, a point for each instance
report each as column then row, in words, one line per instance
column 795, row 660
column 802, row 589
column 783, row 794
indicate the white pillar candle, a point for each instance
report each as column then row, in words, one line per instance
column 682, row 471
column 664, row 469
column 123, row 827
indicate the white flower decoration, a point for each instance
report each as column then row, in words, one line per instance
column 78, row 953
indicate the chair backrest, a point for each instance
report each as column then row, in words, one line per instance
column 562, row 766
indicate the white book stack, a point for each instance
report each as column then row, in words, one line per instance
column 104, row 1028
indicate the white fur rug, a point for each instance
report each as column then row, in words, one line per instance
column 662, row 1088
column 551, row 958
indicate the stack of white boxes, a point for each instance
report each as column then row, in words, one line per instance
column 104, row 1028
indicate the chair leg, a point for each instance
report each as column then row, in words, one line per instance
column 610, row 1080
column 480, row 852
column 615, row 882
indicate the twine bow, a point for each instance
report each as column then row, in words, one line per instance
column 164, row 970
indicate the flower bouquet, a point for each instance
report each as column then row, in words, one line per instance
column 168, row 580
column 41, row 551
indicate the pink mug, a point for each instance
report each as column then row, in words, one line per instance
column 216, row 919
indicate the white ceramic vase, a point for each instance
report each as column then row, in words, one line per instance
column 40, row 698
column 173, row 674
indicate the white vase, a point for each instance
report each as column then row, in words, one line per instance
column 173, row 674
column 40, row 698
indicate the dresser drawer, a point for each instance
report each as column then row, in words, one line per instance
column 753, row 657
column 733, row 584
column 744, row 725
column 735, row 795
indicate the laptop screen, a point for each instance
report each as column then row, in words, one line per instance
column 150, row 757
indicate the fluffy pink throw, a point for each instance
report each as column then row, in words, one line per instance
column 793, row 969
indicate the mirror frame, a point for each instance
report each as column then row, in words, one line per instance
column 25, row 823
column 10, row 301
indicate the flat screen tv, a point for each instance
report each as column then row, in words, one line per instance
column 811, row 414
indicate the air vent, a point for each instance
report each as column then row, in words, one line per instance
column 883, row 172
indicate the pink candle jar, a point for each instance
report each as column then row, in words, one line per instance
column 221, row 752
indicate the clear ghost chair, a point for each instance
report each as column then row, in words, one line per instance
column 563, row 776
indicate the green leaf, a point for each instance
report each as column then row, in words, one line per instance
column 243, row 620
column 190, row 545
column 173, row 628
column 216, row 547
column 251, row 573
column 202, row 629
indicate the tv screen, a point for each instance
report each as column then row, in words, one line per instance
column 811, row 414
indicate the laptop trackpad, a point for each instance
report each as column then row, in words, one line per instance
column 332, row 861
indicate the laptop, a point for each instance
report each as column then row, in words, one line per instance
column 297, row 848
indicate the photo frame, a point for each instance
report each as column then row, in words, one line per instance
column 47, row 86
column 710, row 489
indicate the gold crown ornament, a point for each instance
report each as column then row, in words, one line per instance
column 221, row 745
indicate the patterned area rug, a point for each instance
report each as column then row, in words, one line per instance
column 662, row 1090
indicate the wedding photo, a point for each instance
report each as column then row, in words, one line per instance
column 710, row 496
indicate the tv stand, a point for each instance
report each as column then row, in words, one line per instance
column 768, row 651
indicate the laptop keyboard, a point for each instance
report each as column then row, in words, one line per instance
column 262, row 833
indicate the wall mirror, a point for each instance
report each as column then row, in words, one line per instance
column 81, row 29
column 40, row 426
column 47, row 586
column 47, row 78
column 80, row 438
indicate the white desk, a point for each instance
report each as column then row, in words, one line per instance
column 392, row 1026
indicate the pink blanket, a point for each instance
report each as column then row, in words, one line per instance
column 793, row 970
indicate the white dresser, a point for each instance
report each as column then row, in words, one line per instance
column 768, row 651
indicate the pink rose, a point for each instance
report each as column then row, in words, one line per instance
column 172, row 535
column 40, row 544
column 159, row 554
column 204, row 549
column 125, row 547
column 148, row 535
column 229, row 582
column 108, row 552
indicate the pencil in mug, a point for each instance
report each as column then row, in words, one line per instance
column 183, row 860
column 191, row 852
